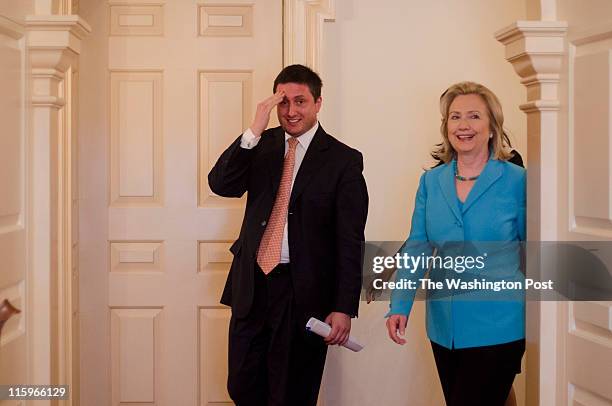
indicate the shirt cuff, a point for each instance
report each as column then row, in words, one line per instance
column 249, row 140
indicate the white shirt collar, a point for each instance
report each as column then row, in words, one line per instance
column 305, row 139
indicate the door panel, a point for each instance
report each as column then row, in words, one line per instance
column 13, row 212
column 183, row 81
column 586, row 327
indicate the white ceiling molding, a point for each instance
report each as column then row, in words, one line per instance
column 303, row 30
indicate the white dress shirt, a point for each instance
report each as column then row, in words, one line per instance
column 249, row 140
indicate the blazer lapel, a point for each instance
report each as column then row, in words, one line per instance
column 489, row 175
column 447, row 184
column 275, row 158
column 313, row 161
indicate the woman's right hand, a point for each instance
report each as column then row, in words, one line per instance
column 396, row 326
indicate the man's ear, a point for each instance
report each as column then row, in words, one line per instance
column 318, row 103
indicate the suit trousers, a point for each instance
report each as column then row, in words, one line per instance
column 273, row 360
column 478, row 376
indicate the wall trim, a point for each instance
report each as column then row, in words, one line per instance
column 53, row 45
column 303, row 30
column 536, row 50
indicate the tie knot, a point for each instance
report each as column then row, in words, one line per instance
column 292, row 142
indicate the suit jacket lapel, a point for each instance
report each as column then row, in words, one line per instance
column 312, row 162
column 491, row 172
column 447, row 184
column 275, row 157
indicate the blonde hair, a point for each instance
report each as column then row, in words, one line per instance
column 500, row 143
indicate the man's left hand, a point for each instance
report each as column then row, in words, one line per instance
column 341, row 328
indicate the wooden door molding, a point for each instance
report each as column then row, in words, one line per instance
column 53, row 44
column 303, row 31
column 536, row 50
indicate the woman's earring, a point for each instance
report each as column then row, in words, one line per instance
column 491, row 135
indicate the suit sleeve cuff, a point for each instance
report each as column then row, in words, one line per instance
column 249, row 140
column 399, row 307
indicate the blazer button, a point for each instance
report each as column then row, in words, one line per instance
column 263, row 223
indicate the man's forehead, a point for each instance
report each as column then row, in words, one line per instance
column 294, row 89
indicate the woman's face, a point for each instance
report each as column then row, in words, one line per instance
column 468, row 125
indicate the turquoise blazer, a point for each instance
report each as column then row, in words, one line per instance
column 490, row 221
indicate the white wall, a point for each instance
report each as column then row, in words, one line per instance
column 385, row 64
column 16, row 10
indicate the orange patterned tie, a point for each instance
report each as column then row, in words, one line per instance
column 268, row 255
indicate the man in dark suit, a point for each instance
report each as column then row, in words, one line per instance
column 299, row 250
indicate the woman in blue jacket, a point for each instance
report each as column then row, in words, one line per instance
column 473, row 204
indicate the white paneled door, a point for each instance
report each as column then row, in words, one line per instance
column 182, row 81
column 586, row 333
column 13, row 208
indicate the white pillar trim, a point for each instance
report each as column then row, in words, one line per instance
column 53, row 45
column 536, row 50
column 303, row 30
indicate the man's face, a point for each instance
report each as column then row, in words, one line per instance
column 297, row 112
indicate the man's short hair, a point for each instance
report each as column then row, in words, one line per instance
column 300, row 74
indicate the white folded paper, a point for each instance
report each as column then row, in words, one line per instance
column 323, row 329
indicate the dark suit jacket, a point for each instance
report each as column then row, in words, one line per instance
column 327, row 214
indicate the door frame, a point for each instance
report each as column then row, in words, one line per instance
column 53, row 46
column 536, row 48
